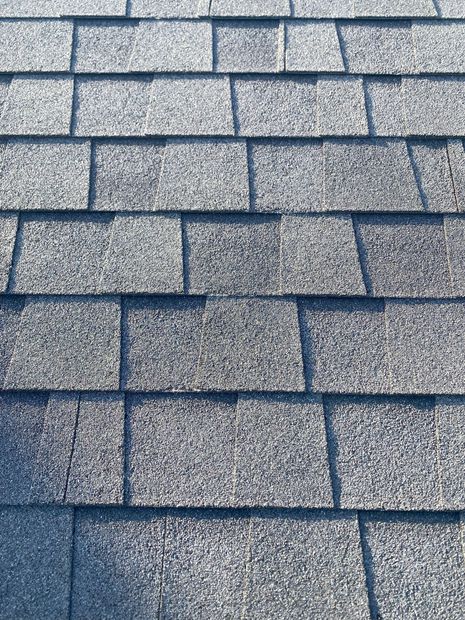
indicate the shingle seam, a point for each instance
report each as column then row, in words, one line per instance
column 185, row 256
column 281, row 60
column 448, row 257
column 247, row 562
column 437, row 8
column 126, row 449
column 387, row 344
column 234, row 108
column 451, row 172
column 72, row 580
column 361, row 253
column 343, row 51
column 73, row 446
column 462, row 534
column 235, row 451
column 367, row 562
column 160, row 176
column 14, row 255
column 417, row 176
column 162, row 567
column 331, row 452
column 106, row 254
column 437, row 421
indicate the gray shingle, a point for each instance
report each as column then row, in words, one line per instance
column 111, row 106
column 286, row 176
column 384, row 104
column 275, row 106
column 451, row 8
column 8, row 227
column 417, row 566
column 103, row 47
column 164, row 8
column 246, row 46
column 323, row 8
column 56, row 8
column 93, row 7
column 401, row 8
column 378, row 47
column 250, row 8
column 5, row 82
column 369, row 176
column 96, row 470
column 456, row 158
column 38, row 105
column 204, row 566
column 344, row 346
column 319, row 256
column 432, row 168
column 181, row 450
column 192, row 105
column 35, row 562
column 161, row 343
column 404, row 256
column 250, row 345
column 312, row 46
column 426, row 346
column 451, row 438
column 455, row 237
column 306, row 567
column 439, row 47
column 126, row 175
column 204, row 175
column 232, row 254
column 341, row 107
column 281, row 457
column 45, row 174
column 66, row 344
column 386, row 453
column 117, row 564
column 35, row 46
column 10, row 317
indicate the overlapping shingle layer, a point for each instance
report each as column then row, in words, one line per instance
column 232, row 309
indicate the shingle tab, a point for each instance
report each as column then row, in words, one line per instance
column 313, row 46
column 250, row 8
column 323, row 8
column 455, row 236
column 10, row 318
column 456, row 159
column 341, row 107
column 204, row 175
column 38, row 105
column 164, row 8
column 319, row 256
column 250, row 345
column 56, row 8
column 430, row 161
column 181, row 450
column 451, row 438
column 248, row 46
column 281, row 457
column 192, row 105
column 344, row 346
column 304, row 567
column 236, row 255
column 8, row 227
column 384, row 104
column 66, row 344
column 103, row 47
column 401, row 8
column 439, row 46
column 102, row 8
column 451, row 8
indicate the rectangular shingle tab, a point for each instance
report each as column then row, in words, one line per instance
column 450, row 416
column 400, row 8
column 439, row 46
column 8, row 227
column 57, row 8
column 164, row 8
column 341, row 107
column 10, row 318
column 432, row 166
column 385, row 107
column 250, row 8
column 103, row 47
column 323, row 8
column 313, row 46
column 451, row 8
column 249, row 46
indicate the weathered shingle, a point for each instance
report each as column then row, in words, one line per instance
column 8, row 227
column 103, row 47
column 236, row 255
column 451, row 439
column 384, row 104
column 455, row 236
column 341, row 107
column 246, row 46
column 439, row 46
column 400, row 8
column 164, row 8
column 281, row 457
column 313, row 46
column 432, row 167
column 250, row 8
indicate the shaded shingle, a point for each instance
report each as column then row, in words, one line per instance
column 246, row 46
column 439, row 47
column 304, row 567
column 35, row 562
column 286, row 176
column 117, row 564
column 38, row 105
column 66, row 344
column 323, row 8
column 451, row 8
column 345, row 346
column 400, row 8
column 10, row 318
column 161, row 343
column 232, row 254
column 430, row 160
column 50, row 175
column 35, row 46
column 450, row 414
column 181, row 450
column 384, row 106
column 319, row 256
column 312, row 46
column 281, row 457
column 455, row 236
column 416, row 564
column 8, row 227
column 204, row 175
column 164, row 8
column 191, row 105
column 341, row 107
column 103, row 47
column 250, row 345
column 250, row 8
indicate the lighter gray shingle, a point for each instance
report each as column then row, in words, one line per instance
column 323, row 8
column 455, row 236
column 250, row 8
column 103, row 47
column 430, row 161
column 57, row 8
column 8, row 227
column 164, row 8
column 450, row 414
column 451, row 8
column 313, row 46
column 400, row 8
column 440, row 46
column 341, row 107
column 384, row 104
column 244, row 46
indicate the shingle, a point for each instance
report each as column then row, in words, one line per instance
column 306, row 566
column 434, row 105
column 451, row 445
column 275, row 106
column 341, row 107
column 111, row 106
column 401, row 8
column 35, row 562
column 118, row 557
column 103, row 47
column 245, row 46
column 286, row 176
column 455, row 237
column 5, row 82
column 250, row 8
column 386, row 453
column 45, row 174
column 38, row 105
column 430, row 160
column 56, row 8
column 384, row 104
column 126, row 175
column 8, row 227
column 96, row 469
column 313, row 46
column 66, row 344
column 10, row 318
column 93, row 7
column 369, row 176
column 161, row 343
column 204, row 566
column 416, row 566
column 250, row 345
column 144, row 255
column 192, row 105
column 404, row 256
column 377, row 47
column 426, row 346
column 181, row 450
column 456, row 159
column 204, row 175
column 319, row 256
column 232, row 254
column 281, row 457
column 35, row 46
column 323, row 8
column 439, row 47
column 451, row 8
column 164, row 8
column 344, row 346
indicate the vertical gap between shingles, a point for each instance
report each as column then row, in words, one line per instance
column 437, row 8
column 250, row 175
column 448, row 257
column 92, row 175
column 106, row 254
column 73, row 446
column 368, row 109
column 162, row 570
column 332, row 453
column 417, row 175
column 128, row 8
column 185, row 256
column 122, row 342
column 388, row 349
column 71, row 568
column 126, row 452
column 280, row 257
column 15, row 255
column 437, row 423
column 342, row 51
column 235, row 116
column 160, row 174
column 282, row 46
column 451, row 173
column 74, row 103
column 248, row 558
column 304, row 346
column 367, row 561
column 362, row 257
column 214, row 46
column 236, row 445
column 462, row 534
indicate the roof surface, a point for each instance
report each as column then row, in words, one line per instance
column 232, row 318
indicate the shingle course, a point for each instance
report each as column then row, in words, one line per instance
column 313, row 46
column 8, row 228
column 249, row 46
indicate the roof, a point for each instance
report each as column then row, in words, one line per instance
column 232, row 309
